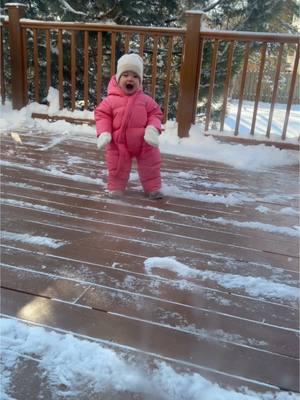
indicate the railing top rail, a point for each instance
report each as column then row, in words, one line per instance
column 250, row 36
column 73, row 26
column 208, row 34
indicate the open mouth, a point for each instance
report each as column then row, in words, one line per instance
column 129, row 86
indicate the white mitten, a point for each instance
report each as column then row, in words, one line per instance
column 103, row 139
column 151, row 136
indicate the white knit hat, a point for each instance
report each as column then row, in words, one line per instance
column 130, row 62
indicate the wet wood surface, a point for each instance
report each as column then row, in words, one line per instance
column 89, row 277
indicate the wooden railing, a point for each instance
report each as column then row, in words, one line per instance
column 186, row 70
column 45, row 48
column 231, row 41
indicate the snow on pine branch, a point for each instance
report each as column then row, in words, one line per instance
column 67, row 7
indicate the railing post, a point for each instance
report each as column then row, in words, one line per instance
column 15, row 12
column 189, row 74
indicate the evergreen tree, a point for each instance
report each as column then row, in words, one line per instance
column 248, row 15
column 124, row 12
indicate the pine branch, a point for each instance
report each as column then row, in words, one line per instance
column 67, row 7
column 251, row 12
column 213, row 5
column 110, row 13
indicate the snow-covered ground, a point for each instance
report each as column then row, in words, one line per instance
column 74, row 363
column 262, row 119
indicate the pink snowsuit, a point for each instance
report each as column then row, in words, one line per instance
column 126, row 118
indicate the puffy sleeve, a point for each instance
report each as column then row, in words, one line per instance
column 154, row 114
column 103, row 117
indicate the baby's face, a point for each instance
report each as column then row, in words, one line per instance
column 129, row 82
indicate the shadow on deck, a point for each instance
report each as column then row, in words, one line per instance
column 75, row 261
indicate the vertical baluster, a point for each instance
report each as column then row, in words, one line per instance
column 60, row 70
column 197, row 86
column 241, row 95
column 48, row 59
column 99, row 66
column 36, row 67
column 275, row 89
column 113, row 54
column 126, row 42
column 142, row 44
column 73, row 67
column 25, row 64
column 227, row 83
column 86, row 70
column 211, row 83
column 168, row 78
column 258, row 87
column 291, row 94
column 154, row 66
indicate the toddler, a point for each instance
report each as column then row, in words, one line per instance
column 128, row 123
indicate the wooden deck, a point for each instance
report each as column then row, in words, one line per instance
column 90, row 278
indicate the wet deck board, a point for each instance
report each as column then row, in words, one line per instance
column 94, row 282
